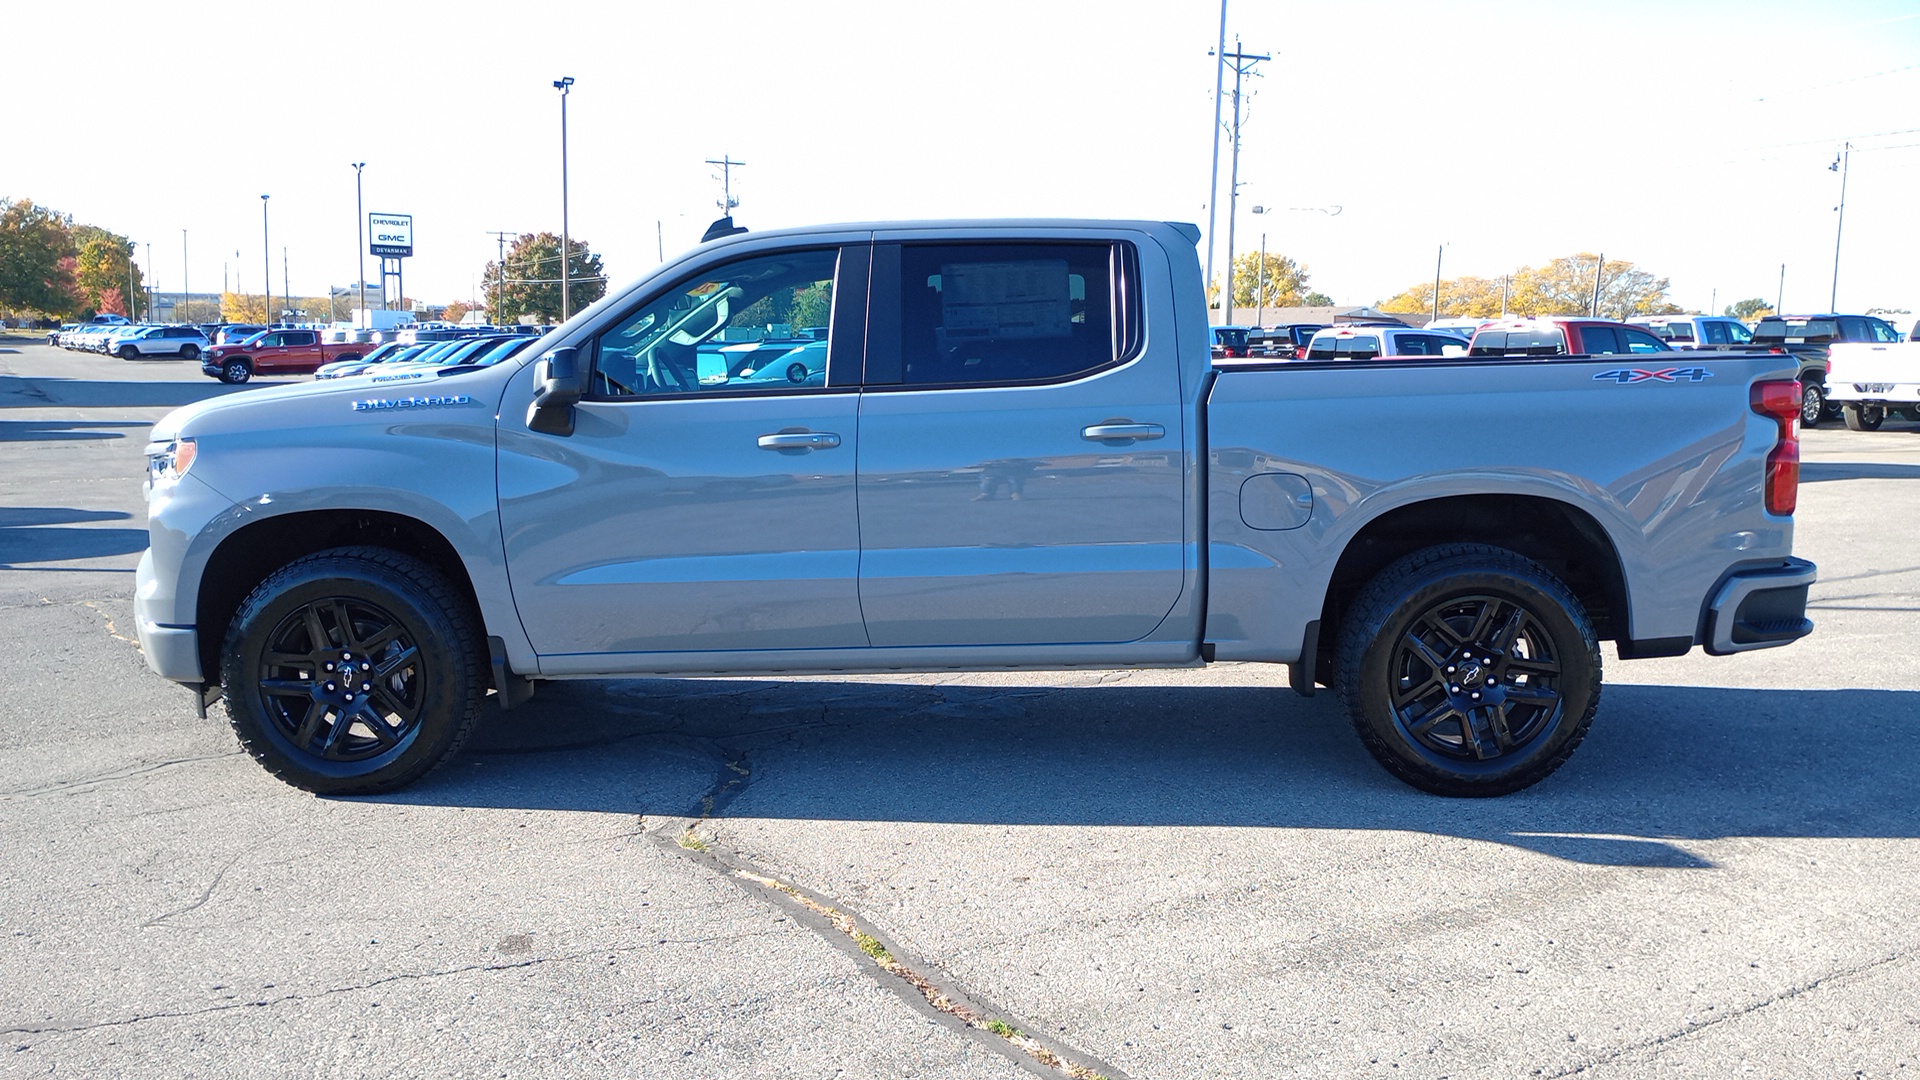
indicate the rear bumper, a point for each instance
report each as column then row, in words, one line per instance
column 1759, row 609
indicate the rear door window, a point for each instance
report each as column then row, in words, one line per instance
column 1638, row 341
column 1005, row 314
column 1600, row 341
column 1717, row 334
column 1360, row 347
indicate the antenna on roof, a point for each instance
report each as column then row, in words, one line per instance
column 723, row 227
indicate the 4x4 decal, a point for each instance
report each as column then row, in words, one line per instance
column 1672, row 374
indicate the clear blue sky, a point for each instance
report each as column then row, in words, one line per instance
column 1690, row 137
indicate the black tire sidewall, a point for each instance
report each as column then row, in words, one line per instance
column 235, row 371
column 449, row 689
column 1366, row 687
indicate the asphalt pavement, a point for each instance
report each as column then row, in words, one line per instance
column 1123, row 874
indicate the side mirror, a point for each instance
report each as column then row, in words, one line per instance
column 560, row 384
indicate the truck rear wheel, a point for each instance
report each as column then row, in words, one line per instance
column 1813, row 404
column 1469, row 670
column 1865, row 417
column 353, row 671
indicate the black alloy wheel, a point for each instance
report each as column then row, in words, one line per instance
column 353, row 671
column 1469, row 670
column 235, row 372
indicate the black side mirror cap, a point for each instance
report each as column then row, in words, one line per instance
column 560, row 384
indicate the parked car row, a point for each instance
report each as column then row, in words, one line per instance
column 132, row 341
column 1808, row 338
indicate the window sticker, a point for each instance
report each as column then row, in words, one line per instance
column 1027, row 299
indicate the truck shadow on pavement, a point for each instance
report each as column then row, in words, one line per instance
column 1663, row 765
column 36, row 534
column 1812, row 472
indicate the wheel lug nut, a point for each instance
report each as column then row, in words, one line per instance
column 346, row 656
column 1449, row 668
column 366, row 686
column 1476, row 696
column 330, row 666
column 329, row 686
column 1452, row 689
column 350, row 696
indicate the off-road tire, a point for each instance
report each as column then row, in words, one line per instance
column 353, row 671
column 1468, row 670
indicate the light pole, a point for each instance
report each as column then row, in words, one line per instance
column 566, row 240
column 149, row 313
column 186, row 293
column 360, row 234
column 1436, row 281
column 266, row 267
column 1839, row 165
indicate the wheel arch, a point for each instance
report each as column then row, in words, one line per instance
column 248, row 555
column 1561, row 537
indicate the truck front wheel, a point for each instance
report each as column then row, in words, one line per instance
column 1865, row 417
column 1469, row 670
column 353, row 671
column 235, row 371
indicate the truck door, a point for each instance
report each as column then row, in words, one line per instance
column 1021, row 462
column 693, row 507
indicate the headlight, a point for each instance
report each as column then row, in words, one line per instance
column 167, row 462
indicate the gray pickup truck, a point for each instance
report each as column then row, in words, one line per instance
column 996, row 445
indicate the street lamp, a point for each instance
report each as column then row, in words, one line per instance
column 1839, row 165
column 266, row 266
column 359, row 231
column 566, row 241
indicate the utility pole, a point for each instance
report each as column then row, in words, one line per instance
column 1840, row 164
column 1506, row 282
column 1260, row 297
column 149, row 312
column 186, row 294
column 1213, row 182
column 129, row 280
column 286, row 279
column 727, row 201
column 1782, row 297
column 1593, row 309
column 500, row 288
column 1243, row 64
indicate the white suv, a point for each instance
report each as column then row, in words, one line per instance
column 185, row 342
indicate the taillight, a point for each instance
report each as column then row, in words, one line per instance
column 1781, row 400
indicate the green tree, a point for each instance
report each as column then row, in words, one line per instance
column 1316, row 299
column 36, row 258
column 1750, row 309
column 533, row 279
column 1283, row 285
column 103, row 271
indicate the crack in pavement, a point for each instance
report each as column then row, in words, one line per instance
column 260, row 1003
column 1790, row 993
column 74, row 787
column 921, row 985
column 219, row 875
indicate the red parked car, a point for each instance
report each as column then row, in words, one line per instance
column 1563, row 335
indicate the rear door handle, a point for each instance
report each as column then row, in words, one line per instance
column 799, row 440
column 1114, row 430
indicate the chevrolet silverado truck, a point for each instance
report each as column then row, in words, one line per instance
column 1010, row 450
column 276, row 352
column 1870, row 381
column 1808, row 339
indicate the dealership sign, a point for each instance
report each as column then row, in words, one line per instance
column 392, row 235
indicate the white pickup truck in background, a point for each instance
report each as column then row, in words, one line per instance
column 1869, row 380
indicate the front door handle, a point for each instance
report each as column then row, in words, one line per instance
column 799, row 440
column 1122, row 430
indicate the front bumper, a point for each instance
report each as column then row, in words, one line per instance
column 172, row 651
column 1760, row 609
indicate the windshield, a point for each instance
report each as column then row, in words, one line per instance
column 1795, row 329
